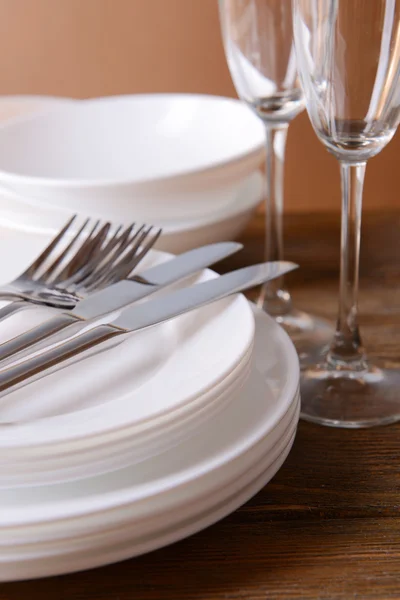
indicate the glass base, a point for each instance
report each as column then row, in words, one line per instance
column 311, row 335
column 350, row 399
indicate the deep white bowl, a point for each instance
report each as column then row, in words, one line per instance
column 147, row 157
column 22, row 214
column 17, row 107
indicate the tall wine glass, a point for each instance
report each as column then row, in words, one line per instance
column 348, row 56
column 258, row 41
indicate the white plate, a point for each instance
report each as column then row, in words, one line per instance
column 106, row 456
column 67, row 560
column 132, row 384
column 229, row 445
column 160, row 156
column 142, row 384
column 113, row 528
column 50, row 537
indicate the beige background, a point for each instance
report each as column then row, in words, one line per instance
column 84, row 48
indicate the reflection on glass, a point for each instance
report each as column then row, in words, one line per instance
column 348, row 55
column 258, row 40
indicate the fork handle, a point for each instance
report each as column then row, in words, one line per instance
column 54, row 359
column 31, row 339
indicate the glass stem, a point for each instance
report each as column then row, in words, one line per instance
column 346, row 352
column 273, row 298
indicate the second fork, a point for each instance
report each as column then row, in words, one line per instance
column 89, row 261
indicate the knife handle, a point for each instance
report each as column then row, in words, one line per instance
column 37, row 367
column 30, row 338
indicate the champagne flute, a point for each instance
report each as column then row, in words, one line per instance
column 258, row 42
column 348, row 56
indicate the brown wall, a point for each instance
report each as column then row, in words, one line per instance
column 97, row 47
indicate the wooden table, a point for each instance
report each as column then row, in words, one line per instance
column 328, row 525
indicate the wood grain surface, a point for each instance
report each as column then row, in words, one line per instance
column 328, row 525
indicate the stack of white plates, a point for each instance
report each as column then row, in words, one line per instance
column 188, row 163
column 146, row 443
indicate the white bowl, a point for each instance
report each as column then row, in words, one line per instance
column 144, row 157
column 17, row 107
column 22, row 214
column 222, row 227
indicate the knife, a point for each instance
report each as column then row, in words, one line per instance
column 139, row 317
column 117, row 296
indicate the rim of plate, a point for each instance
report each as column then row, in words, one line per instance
column 52, row 183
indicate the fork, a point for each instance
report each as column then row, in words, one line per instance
column 89, row 262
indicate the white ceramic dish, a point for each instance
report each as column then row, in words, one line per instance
column 21, row 214
column 60, row 547
column 162, row 156
column 125, row 407
column 153, row 373
column 221, row 227
column 231, row 444
column 51, row 537
column 44, row 564
column 38, row 469
column 114, row 526
column 17, row 107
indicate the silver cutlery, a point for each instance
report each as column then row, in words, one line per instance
column 114, row 298
column 139, row 317
column 69, row 269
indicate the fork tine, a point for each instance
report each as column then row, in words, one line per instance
column 134, row 257
column 31, row 270
column 120, row 248
column 109, row 245
column 91, row 268
column 145, row 249
column 109, row 269
column 120, row 254
column 45, row 277
column 135, row 235
column 96, row 248
column 92, row 237
column 117, row 240
column 106, row 268
column 131, row 252
column 84, row 253
column 124, row 265
column 99, row 243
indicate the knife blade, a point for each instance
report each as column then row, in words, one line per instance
column 117, row 296
column 139, row 317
